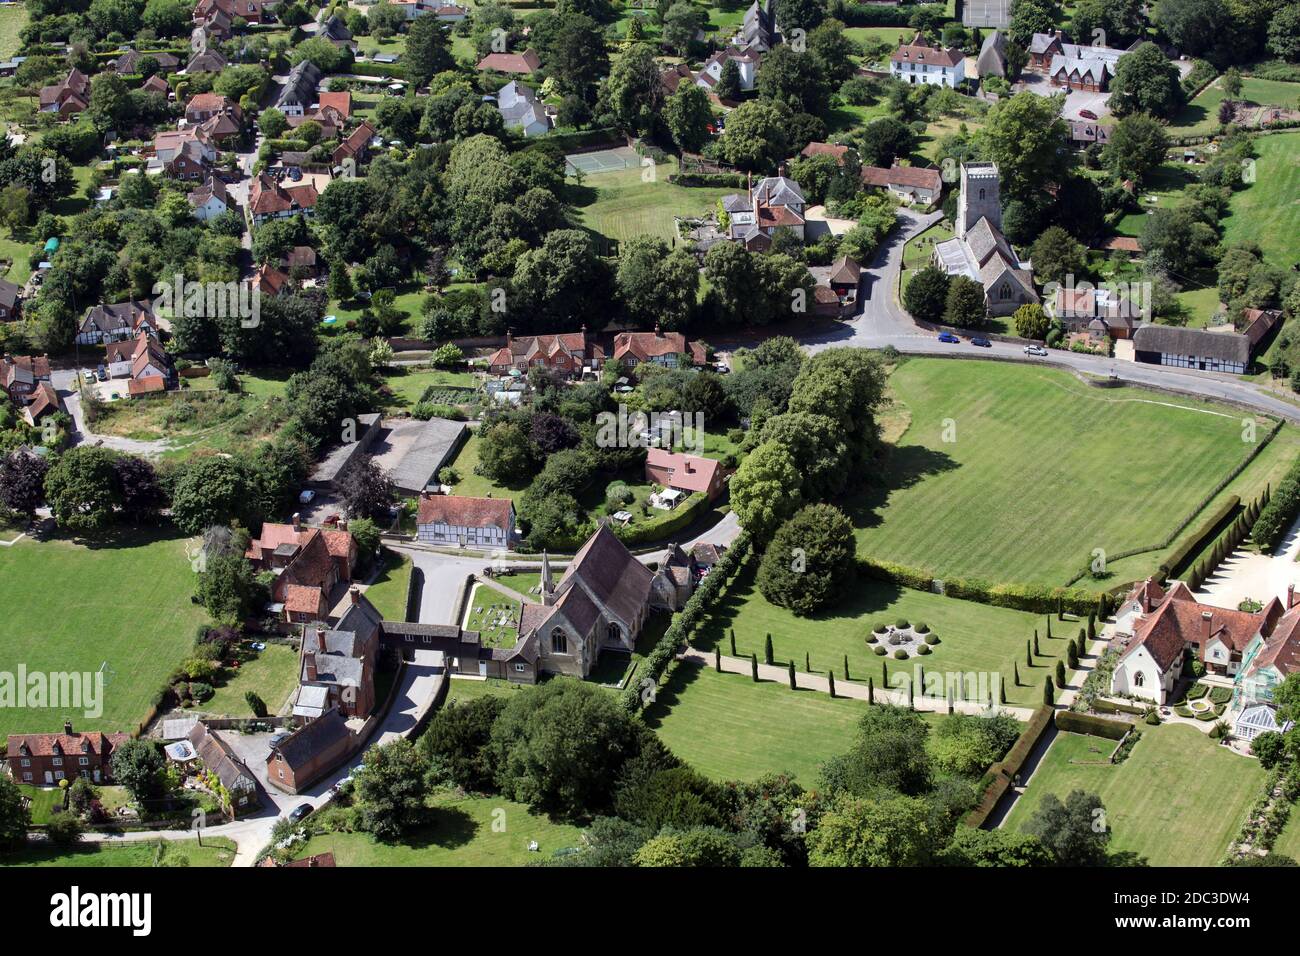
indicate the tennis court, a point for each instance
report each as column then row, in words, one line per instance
column 601, row 161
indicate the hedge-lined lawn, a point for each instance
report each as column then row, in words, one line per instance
column 620, row 204
column 479, row 486
column 1288, row 843
column 465, row 689
column 272, row 674
column 1042, row 470
column 729, row 728
column 124, row 602
column 388, row 591
column 408, row 384
column 1200, row 117
column 463, row 835
column 972, row 637
column 215, row 851
column 1178, row 800
column 1268, row 468
column 1268, row 212
column 525, row 581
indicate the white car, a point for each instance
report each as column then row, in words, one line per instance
column 1035, row 350
column 305, row 498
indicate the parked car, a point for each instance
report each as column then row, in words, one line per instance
column 948, row 337
column 305, row 497
column 89, row 376
column 1088, row 114
column 101, row 373
column 299, row 812
column 981, row 342
column 1035, row 350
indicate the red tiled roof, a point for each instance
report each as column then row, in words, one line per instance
column 300, row 599
column 341, row 101
column 146, row 384
column 824, row 149
column 913, row 177
column 43, row 745
column 675, row 470
column 465, row 512
column 525, row 62
column 646, row 345
column 912, row 53
column 1181, row 620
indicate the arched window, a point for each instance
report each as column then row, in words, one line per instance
column 1006, row 290
column 615, row 634
column 559, row 642
column 1140, row 679
column 981, row 195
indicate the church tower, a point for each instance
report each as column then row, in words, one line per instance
column 979, row 197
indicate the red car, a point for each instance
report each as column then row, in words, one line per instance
column 332, row 520
column 1088, row 114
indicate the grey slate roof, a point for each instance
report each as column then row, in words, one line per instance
column 317, row 737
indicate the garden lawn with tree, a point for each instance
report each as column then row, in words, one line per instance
column 1178, row 800
column 1268, row 212
column 621, row 204
column 463, row 834
column 1014, row 496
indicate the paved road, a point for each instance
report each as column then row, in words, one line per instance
column 884, row 322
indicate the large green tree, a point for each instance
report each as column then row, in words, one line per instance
column 1137, row 145
column 765, row 490
column 81, row 489
column 632, row 91
column 1146, row 81
column 809, row 561
column 428, row 50
column 1023, row 135
column 1076, row 832
column 857, row 832
column 688, row 116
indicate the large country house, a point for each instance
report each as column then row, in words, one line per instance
column 465, row 522
column 1162, row 628
column 980, row 251
column 753, row 216
column 307, row 564
column 924, row 63
column 1072, row 65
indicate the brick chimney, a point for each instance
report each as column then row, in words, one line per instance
column 354, row 594
column 1208, row 618
column 310, row 662
column 658, row 331
column 297, row 521
column 343, row 524
column 67, row 727
column 1290, row 596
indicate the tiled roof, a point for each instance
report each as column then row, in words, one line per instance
column 49, row 745
column 676, row 470
column 316, row 738
column 465, row 512
column 525, row 62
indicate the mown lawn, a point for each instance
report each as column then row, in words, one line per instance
column 479, row 486
column 272, row 674
column 620, row 204
column 215, row 851
column 729, row 728
column 1268, row 212
column 1010, row 473
column 524, row 581
column 973, row 637
column 408, row 384
column 388, row 591
column 123, row 603
column 469, row 831
column 1178, row 800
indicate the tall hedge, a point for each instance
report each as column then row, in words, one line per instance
column 685, row 620
column 1276, row 516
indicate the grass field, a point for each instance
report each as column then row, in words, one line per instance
column 1268, row 213
column 216, row 851
column 388, row 591
column 13, row 17
column 523, row 581
column 272, row 674
column 1015, row 495
column 72, row 607
column 972, row 637
column 1288, row 843
column 1178, row 800
column 478, row 486
column 1200, row 117
column 620, row 204
column 408, row 385
column 464, row 835
column 729, row 728
column 489, row 609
